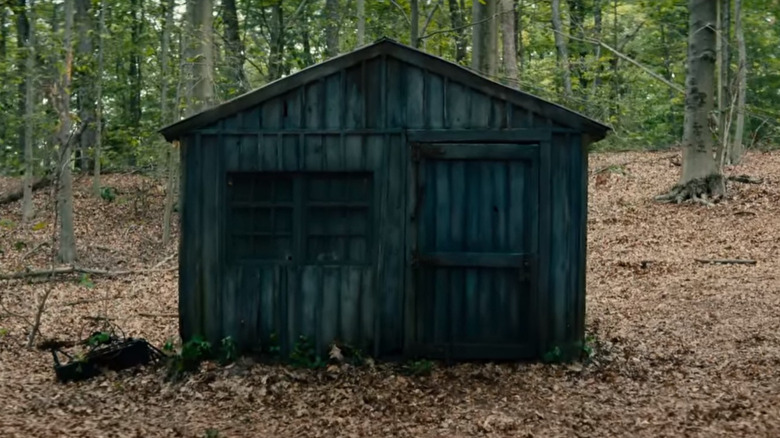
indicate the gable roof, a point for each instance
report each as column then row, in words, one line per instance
column 388, row 47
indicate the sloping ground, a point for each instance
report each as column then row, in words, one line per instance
column 682, row 348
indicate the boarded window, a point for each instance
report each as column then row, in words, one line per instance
column 304, row 218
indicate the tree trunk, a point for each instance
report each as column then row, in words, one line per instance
column 597, row 27
column 701, row 176
column 276, row 57
column 29, row 104
column 22, row 34
column 737, row 148
column 484, row 51
column 200, row 41
column 167, row 115
column 99, row 100
column 457, row 22
column 722, row 51
column 67, row 243
column 234, row 48
column 361, row 22
column 563, row 53
column 509, row 42
column 576, row 42
column 415, row 23
column 331, row 28
column 85, row 80
column 134, row 72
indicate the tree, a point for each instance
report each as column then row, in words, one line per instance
column 509, row 41
column 99, row 99
column 560, row 45
column 361, row 19
column 67, row 239
column 457, row 21
column 85, row 81
column 201, row 55
column 331, row 28
column 234, row 47
column 737, row 149
column 168, row 116
column 484, row 46
column 701, row 174
column 29, row 110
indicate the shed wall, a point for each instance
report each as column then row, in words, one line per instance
column 354, row 120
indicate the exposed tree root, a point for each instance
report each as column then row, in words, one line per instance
column 17, row 195
column 705, row 191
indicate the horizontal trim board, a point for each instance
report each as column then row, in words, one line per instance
column 477, row 259
column 299, row 131
column 466, row 151
column 482, row 135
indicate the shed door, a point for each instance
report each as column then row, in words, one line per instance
column 474, row 249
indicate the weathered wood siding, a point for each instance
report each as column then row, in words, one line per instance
column 355, row 120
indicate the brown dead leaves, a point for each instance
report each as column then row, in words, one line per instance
column 681, row 348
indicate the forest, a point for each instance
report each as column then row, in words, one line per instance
column 682, row 218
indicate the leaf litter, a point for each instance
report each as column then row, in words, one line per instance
column 680, row 348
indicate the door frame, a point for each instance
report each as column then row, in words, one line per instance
column 427, row 143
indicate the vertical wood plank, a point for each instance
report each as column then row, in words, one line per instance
column 290, row 153
column 367, row 306
column 354, row 112
column 353, row 152
column 544, row 239
column 457, row 277
column 333, row 101
column 414, row 96
column 333, row 153
column 435, row 104
column 313, row 105
column 211, row 298
column 269, row 149
column 331, row 285
column 458, row 105
column 272, row 113
column 350, row 304
column 291, row 109
column 480, row 109
column 443, row 212
column 313, row 150
column 249, row 149
column 396, row 94
column 373, row 92
column 231, row 151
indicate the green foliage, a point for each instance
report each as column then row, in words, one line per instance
column 211, row 433
column 169, row 346
column 20, row 245
column 304, row 355
column 3, row 332
column 85, row 281
column 273, row 344
column 421, row 367
column 553, row 355
column 588, row 347
column 98, row 338
column 188, row 360
column 228, row 351
column 7, row 223
column 108, row 194
column 39, row 226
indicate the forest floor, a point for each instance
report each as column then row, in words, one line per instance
column 681, row 348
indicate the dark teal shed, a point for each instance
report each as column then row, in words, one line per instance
column 390, row 200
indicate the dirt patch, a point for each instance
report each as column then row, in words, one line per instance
column 682, row 348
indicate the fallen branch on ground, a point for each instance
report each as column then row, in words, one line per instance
column 17, row 195
column 159, row 315
column 746, row 179
column 78, row 270
column 727, row 261
column 90, row 300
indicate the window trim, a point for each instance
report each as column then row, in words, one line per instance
column 300, row 233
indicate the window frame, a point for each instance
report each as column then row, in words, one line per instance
column 300, row 232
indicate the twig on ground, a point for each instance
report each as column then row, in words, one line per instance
column 746, row 179
column 35, row 249
column 77, row 269
column 90, row 300
column 727, row 261
column 165, row 260
column 158, row 315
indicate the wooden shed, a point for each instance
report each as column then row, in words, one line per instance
column 390, row 200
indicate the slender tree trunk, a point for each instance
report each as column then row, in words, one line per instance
column 234, row 47
column 737, row 148
column 166, row 113
column 304, row 23
column 415, row 23
column 4, row 74
column 22, row 34
column 361, row 22
column 99, row 100
column 519, row 35
column 276, row 58
column 29, row 103
column 457, row 21
column 85, row 80
column 576, row 42
column 67, row 244
column 597, row 27
column 484, row 51
column 563, row 52
column 700, row 172
column 201, row 41
column 331, row 28
column 509, row 41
